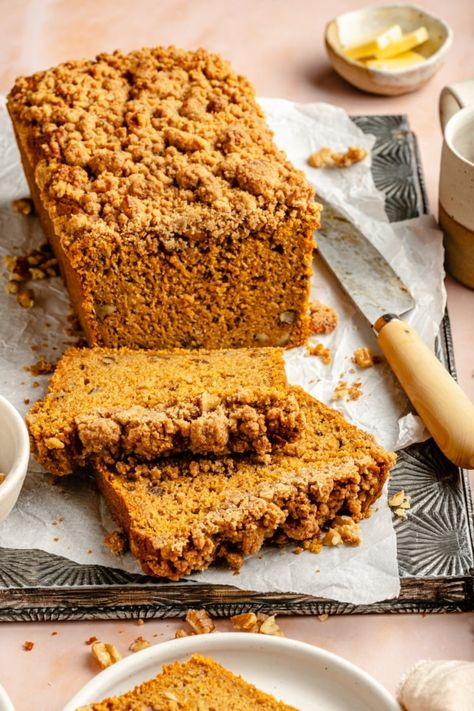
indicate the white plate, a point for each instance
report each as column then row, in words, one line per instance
column 294, row 672
column 5, row 703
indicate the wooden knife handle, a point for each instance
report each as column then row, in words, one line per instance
column 444, row 408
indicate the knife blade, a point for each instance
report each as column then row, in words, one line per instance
column 383, row 298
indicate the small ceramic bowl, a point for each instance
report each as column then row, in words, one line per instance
column 5, row 703
column 354, row 27
column 14, row 455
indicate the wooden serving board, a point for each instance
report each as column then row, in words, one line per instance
column 435, row 543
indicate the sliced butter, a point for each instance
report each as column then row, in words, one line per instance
column 374, row 43
column 406, row 59
column 407, row 42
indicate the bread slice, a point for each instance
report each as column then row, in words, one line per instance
column 198, row 684
column 109, row 403
column 175, row 219
column 184, row 513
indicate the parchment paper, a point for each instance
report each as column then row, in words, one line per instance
column 69, row 518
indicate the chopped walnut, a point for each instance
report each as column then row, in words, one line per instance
column 24, row 206
column 91, row 640
column 270, row 627
column 54, row 443
column 323, row 319
column 183, row 633
column 321, row 351
column 246, row 622
column 327, row 158
column 138, row 644
column 116, row 542
column 200, row 621
column 38, row 264
column 105, row 654
column 28, row 646
column 400, row 503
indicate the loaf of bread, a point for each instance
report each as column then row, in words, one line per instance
column 105, row 403
column 175, row 219
column 197, row 684
column 184, row 513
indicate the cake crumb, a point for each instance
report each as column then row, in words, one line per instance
column 327, row 158
column 105, row 654
column 26, row 299
column 245, row 622
column 53, row 634
column 24, row 206
column 320, row 351
column 348, row 529
column 346, row 391
column 332, row 538
column 28, row 646
column 323, row 319
column 200, row 621
column 364, row 358
column 323, row 617
column 138, row 644
column 139, row 622
column 91, row 640
column 116, row 542
column 41, row 367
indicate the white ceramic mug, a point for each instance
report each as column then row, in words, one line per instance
column 456, row 181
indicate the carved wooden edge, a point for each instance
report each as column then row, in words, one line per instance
column 31, row 604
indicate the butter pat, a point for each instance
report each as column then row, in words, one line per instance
column 404, row 44
column 374, row 43
column 406, row 59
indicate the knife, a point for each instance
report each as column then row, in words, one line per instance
column 383, row 299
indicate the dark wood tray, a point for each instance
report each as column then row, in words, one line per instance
column 435, row 543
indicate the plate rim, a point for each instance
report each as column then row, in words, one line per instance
column 238, row 640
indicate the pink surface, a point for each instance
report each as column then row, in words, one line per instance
column 279, row 45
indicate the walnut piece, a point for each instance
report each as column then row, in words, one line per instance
column 246, row 622
column 182, row 633
column 364, row 358
column 400, row 503
column 327, row 158
column 26, row 299
column 138, row 644
column 270, row 627
column 200, row 621
column 105, row 654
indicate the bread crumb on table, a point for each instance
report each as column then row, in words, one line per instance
column 328, row 158
column 28, row 646
column 364, row 358
column 347, row 391
column 245, row 622
column 91, row 640
column 105, row 654
column 41, row 367
column 323, row 319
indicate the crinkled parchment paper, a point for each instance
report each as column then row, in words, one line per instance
column 414, row 248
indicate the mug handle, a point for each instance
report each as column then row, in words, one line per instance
column 453, row 98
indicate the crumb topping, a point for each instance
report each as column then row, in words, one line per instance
column 160, row 141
